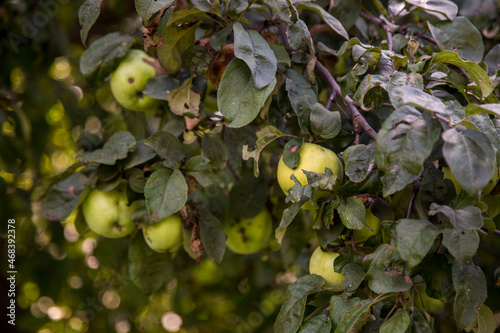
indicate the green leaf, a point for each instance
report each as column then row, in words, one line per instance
column 471, row 158
column 147, row 269
column 317, row 324
column 355, row 315
column 354, row 276
column 63, row 197
column 136, row 179
column 166, row 146
column 386, row 271
column 265, row 136
column 116, row 148
column 184, row 101
column 397, row 323
column 291, row 155
column 371, row 92
column 435, row 7
column 414, row 239
column 492, row 59
column 470, row 285
column 215, row 150
column 302, row 97
column 180, row 38
column 324, row 122
column 212, row 235
column 460, row 36
column 160, row 87
column 237, row 97
column 281, row 9
column 292, row 310
column 352, row 213
column 218, row 39
column 484, row 323
column 299, row 36
column 254, row 50
column 473, row 70
column 280, row 54
column 288, row 216
column 166, row 193
column 140, row 155
column 330, row 20
column 406, row 138
column 103, row 56
column 196, row 60
column 347, row 12
column 87, row 15
column 359, row 161
column 247, row 197
column 474, row 109
column 406, row 95
column 397, row 179
column 419, row 324
column 147, row 8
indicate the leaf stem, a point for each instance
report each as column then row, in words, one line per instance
column 416, row 187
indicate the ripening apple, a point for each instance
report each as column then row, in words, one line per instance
column 108, row 213
column 129, row 80
column 164, row 236
column 250, row 235
column 313, row 158
column 322, row 264
column 373, row 222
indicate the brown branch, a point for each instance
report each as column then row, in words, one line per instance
column 357, row 118
column 495, row 232
column 416, row 187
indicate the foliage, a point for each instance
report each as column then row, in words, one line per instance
column 399, row 89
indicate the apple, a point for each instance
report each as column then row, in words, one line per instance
column 322, row 264
column 108, row 213
column 486, row 190
column 129, row 80
column 313, row 158
column 430, row 304
column 250, row 235
column 373, row 222
column 207, row 272
column 164, row 236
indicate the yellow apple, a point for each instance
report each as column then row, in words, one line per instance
column 250, row 235
column 313, row 158
column 108, row 213
column 373, row 222
column 164, row 236
column 322, row 264
column 129, row 80
column 486, row 190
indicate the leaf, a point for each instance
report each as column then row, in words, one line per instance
column 419, row 324
column 212, row 235
column 166, row 193
column 299, row 36
column 147, row 268
column 160, row 87
column 473, row 70
column 184, row 101
column 292, row 310
column 103, row 56
column 215, row 150
column 237, row 97
column 359, row 161
column 492, row 59
column 474, row 109
column 196, row 60
column 218, row 39
column 355, row 315
column 147, row 8
column 87, row 15
column 397, row 179
column 397, row 323
column 352, row 213
column 330, row 20
column 470, row 285
column 414, row 239
column 265, row 136
column 247, row 197
column 484, row 323
column 324, row 122
column 136, row 180
column 280, row 54
column 354, row 276
column 406, row 95
column 281, row 9
column 471, row 158
column 446, row 7
column 116, row 148
column 459, row 36
column 287, row 218
column 406, row 138
column 386, row 271
column 371, row 92
column 140, row 155
column 166, row 146
column 254, row 50
column 317, row 324
column 302, row 97
column 63, row 197
column 180, row 38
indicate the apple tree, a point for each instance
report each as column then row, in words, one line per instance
column 237, row 138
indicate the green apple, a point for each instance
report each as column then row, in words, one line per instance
column 108, row 213
column 373, row 222
column 313, row 158
column 207, row 272
column 486, row 190
column 430, row 304
column 250, row 235
column 129, row 80
column 164, row 236
column 322, row 264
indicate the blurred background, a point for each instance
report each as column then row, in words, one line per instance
column 64, row 282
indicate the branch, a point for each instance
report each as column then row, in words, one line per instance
column 496, row 232
column 416, row 187
column 357, row 119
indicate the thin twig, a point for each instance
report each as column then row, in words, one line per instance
column 357, row 118
column 416, row 187
column 495, row 232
